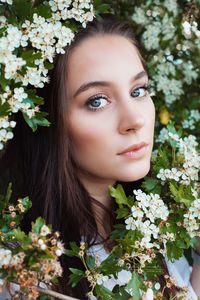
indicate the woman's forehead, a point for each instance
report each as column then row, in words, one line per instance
column 103, row 57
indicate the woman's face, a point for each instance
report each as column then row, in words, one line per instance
column 111, row 115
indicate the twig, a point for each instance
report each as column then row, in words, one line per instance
column 50, row 293
column 55, row 294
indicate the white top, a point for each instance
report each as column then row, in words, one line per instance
column 180, row 271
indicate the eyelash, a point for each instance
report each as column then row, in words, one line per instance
column 146, row 88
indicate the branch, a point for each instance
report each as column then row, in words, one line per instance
column 50, row 293
column 55, row 294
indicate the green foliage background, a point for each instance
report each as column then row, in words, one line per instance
column 173, row 59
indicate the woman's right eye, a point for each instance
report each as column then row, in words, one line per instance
column 97, row 103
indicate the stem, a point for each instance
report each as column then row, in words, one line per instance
column 51, row 293
column 55, row 294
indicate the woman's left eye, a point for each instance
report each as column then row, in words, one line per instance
column 139, row 92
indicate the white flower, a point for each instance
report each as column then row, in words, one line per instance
column 163, row 136
column 146, row 242
column 17, row 259
column 60, row 248
column 100, row 278
column 35, row 76
column 194, row 117
column 19, row 94
column 171, row 6
column 58, row 252
column 149, row 229
column 130, row 224
column 139, row 16
column 5, row 135
column 157, row 286
column 3, row 21
column 186, row 28
column 5, row 257
column 137, row 212
column 2, row 282
column 7, row 1
column 43, row 247
column 40, row 242
column 45, row 230
column 12, row 65
column 59, row 4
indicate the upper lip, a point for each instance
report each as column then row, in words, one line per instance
column 134, row 147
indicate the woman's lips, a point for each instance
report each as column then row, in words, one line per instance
column 135, row 151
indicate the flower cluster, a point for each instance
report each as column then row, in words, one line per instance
column 191, row 28
column 144, row 214
column 27, row 259
column 169, row 32
column 190, row 166
column 25, row 59
column 193, row 118
column 43, row 267
column 191, row 217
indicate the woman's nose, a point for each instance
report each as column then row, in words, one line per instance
column 131, row 117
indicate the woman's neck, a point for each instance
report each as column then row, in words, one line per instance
column 103, row 206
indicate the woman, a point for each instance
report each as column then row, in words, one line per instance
column 102, row 124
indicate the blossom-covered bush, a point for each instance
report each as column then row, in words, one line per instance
column 162, row 219
column 40, row 32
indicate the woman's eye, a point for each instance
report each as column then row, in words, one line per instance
column 97, row 103
column 139, row 92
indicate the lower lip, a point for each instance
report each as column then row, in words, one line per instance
column 136, row 154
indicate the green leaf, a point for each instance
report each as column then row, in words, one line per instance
column 26, row 203
column 69, row 253
column 110, row 266
column 173, row 251
column 162, row 160
column 120, row 293
column 3, row 82
column 4, row 200
column 21, row 8
column 33, row 99
column 74, row 248
column 37, row 120
column 122, row 212
column 48, row 65
column 103, row 8
column 4, row 109
column 37, row 225
column 103, row 292
column 30, row 56
column 90, row 260
column 133, row 287
column 119, row 194
column 181, row 193
column 76, row 276
column 19, row 235
column 150, row 183
column 8, row 194
column 118, row 232
column 43, row 11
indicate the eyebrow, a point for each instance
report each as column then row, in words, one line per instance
column 86, row 86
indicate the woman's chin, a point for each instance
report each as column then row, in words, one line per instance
column 135, row 173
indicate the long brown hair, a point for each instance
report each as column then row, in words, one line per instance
column 46, row 170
